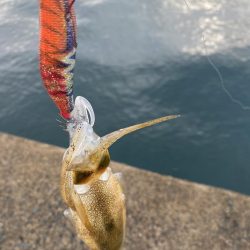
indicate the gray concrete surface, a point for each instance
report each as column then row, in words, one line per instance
column 162, row 212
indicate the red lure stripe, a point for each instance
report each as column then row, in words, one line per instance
column 57, row 51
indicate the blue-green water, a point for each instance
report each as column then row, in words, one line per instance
column 139, row 60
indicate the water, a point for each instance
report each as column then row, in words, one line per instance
column 139, row 60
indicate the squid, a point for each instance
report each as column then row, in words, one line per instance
column 91, row 190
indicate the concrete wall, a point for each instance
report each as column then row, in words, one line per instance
column 162, row 212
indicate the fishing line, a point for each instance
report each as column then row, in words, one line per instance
column 216, row 69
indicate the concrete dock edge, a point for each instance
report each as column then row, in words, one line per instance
column 162, row 212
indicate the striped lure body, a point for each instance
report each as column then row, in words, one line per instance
column 57, row 51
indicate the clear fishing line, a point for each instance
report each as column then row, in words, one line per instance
column 216, row 69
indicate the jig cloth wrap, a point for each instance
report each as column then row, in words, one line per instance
column 57, row 51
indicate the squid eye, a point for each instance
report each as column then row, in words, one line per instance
column 82, row 177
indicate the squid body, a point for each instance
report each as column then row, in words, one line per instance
column 92, row 192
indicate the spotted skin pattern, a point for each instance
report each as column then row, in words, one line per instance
column 57, row 51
